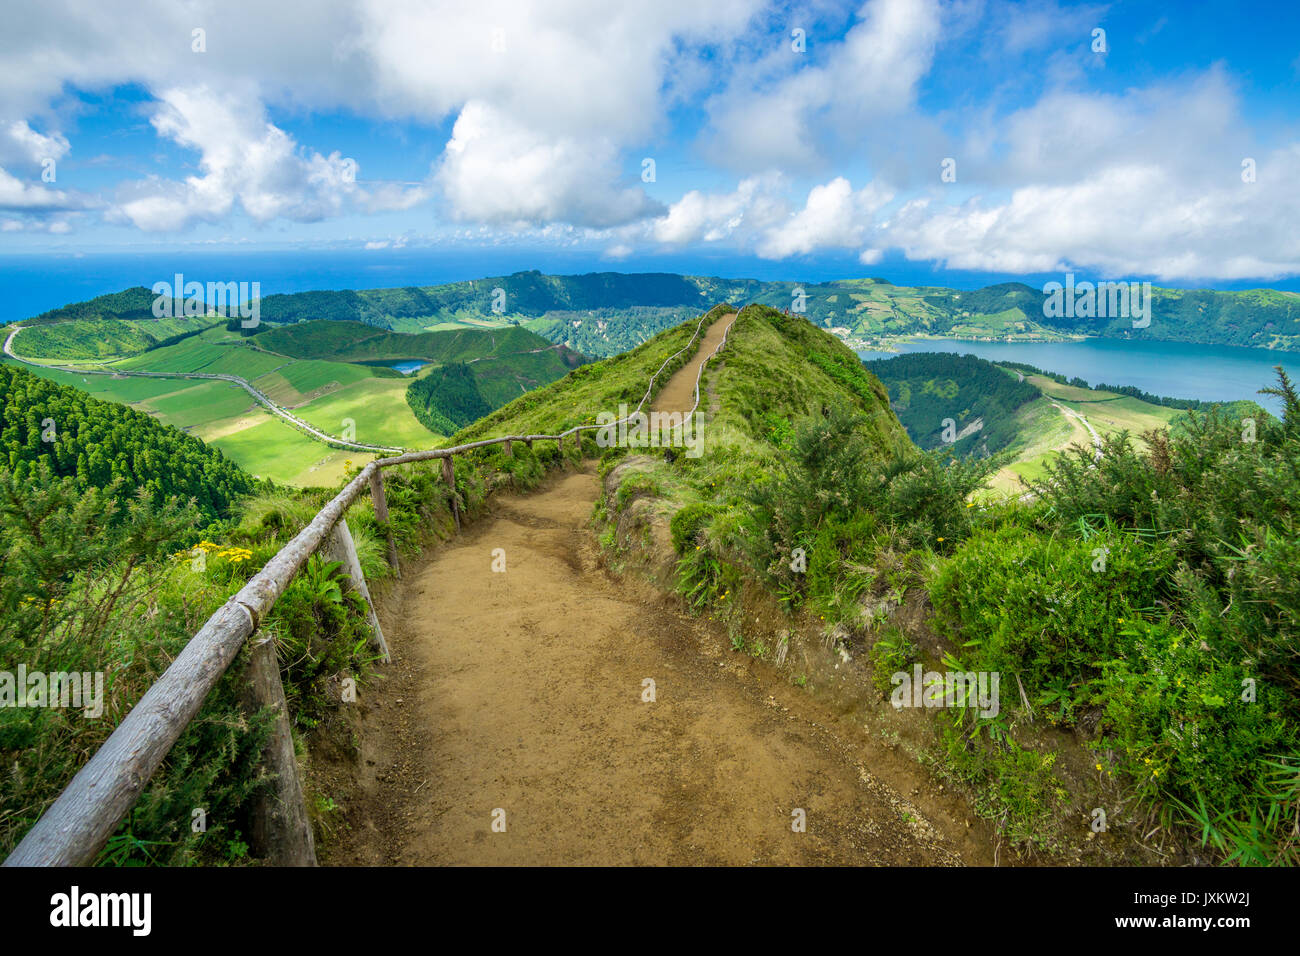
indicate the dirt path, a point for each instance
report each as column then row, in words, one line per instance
column 524, row 691
column 1096, row 439
column 678, row 394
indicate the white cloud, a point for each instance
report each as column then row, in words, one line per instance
column 1148, row 182
column 244, row 160
column 16, row 194
column 833, row 217
column 710, row 217
column 873, row 73
column 547, row 96
column 20, row 142
column 1043, row 23
column 1125, row 220
column 498, row 171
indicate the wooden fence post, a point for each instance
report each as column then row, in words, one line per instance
column 381, row 515
column 280, row 830
column 509, row 448
column 340, row 547
column 449, row 476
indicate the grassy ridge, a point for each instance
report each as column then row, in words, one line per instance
column 591, row 389
column 1145, row 604
column 354, row 342
column 96, row 339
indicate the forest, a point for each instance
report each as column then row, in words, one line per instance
column 925, row 388
column 97, row 443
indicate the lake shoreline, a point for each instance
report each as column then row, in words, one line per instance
column 1216, row 373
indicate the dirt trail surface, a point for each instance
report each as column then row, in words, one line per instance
column 678, row 394
column 524, row 691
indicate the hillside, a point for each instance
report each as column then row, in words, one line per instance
column 602, row 314
column 1114, row 604
column 351, row 341
column 98, row 443
column 808, row 368
column 474, row 371
column 1028, row 414
column 869, row 310
column 334, row 376
column 958, row 401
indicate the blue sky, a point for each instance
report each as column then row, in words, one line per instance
column 904, row 137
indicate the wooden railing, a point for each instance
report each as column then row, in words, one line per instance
column 79, row 822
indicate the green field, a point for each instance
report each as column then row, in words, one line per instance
column 377, row 407
column 300, row 382
column 331, row 374
column 324, row 393
column 271, row 449
column 1045, row 431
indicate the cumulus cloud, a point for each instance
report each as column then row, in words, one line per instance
column 498, row 171
column 1148, row 182
column 833, row 217
column 873, row 73
column 757, row 217
column 27, row 196
column 546, row 96
column 1125, row 220
column 710, row 217
column 244, row 160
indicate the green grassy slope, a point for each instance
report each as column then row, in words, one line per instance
column 350, row 341
column 601, row 314
column 97, row 339
column 834, row 551
column 927, row 389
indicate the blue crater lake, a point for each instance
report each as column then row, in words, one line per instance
column 407, row 368
column 1173, row 369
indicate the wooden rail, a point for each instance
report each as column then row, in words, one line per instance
column 79, row 822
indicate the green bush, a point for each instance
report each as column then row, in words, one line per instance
column 1225, row 500
column 1176, row 720
column 833, row 476
column 1045, row 608
column 687, row 523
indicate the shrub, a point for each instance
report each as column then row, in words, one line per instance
column 832, row 476
column 1176, row 720
column 1033, row 605
column 687, row 523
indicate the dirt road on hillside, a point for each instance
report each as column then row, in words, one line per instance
column 678, row 394
column 521, row 696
